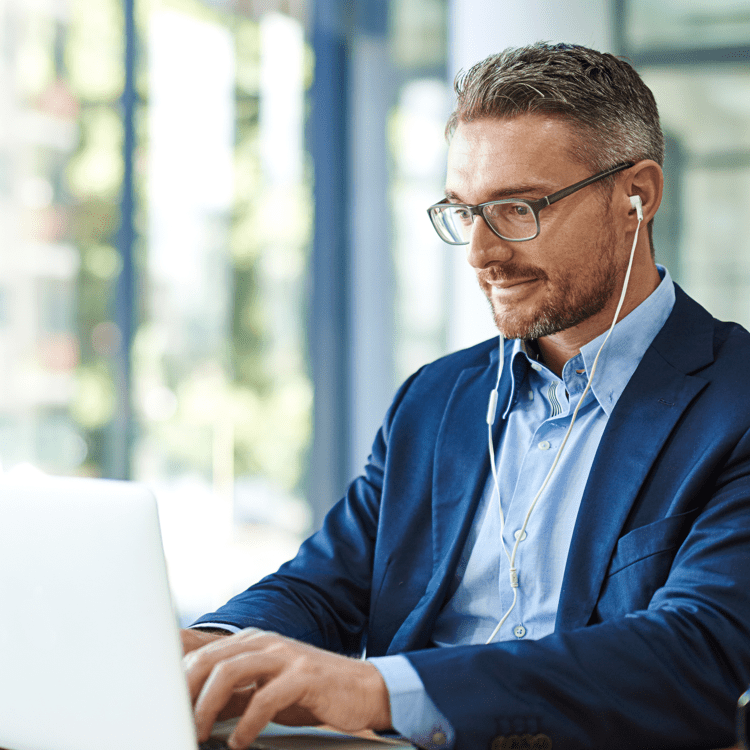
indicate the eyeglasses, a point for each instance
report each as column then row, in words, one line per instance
column 513, row 219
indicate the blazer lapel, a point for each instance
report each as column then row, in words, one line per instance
column 462, row 460
column 647, row 412
column 461, row 468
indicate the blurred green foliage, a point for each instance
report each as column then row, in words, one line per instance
column 255, row 387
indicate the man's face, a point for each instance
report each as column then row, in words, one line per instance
column 570, row 271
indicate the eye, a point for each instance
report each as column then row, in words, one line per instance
column 462, row 214
column 521, row 209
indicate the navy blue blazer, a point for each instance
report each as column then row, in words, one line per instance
column 651, row 646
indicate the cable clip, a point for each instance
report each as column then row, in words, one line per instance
column 492, row 407
column 513, row 578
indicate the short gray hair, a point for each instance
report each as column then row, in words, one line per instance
column 599, row 96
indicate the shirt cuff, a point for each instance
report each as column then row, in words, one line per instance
column 220, row 625
column 413, row 714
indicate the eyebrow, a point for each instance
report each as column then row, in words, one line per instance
column 496, row 195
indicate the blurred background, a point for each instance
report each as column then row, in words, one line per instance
column 215, row 261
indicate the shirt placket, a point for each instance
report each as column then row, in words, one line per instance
column 547, row 392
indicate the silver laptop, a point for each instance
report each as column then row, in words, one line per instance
column 89, row 652
column 90, row 657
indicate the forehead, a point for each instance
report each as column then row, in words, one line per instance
column 493, row 154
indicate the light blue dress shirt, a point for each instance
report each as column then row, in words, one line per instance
column 538, row 415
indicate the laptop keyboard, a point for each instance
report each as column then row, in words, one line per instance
column 214, row 743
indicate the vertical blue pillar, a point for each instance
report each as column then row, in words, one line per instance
column 351, row 326
column 328, row 333
column 122, row 427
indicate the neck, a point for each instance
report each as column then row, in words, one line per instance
column 558, row 348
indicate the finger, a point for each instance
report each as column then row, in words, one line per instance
column 228, row 676
column 200, row 663
column 266, row 704
column 236, row 705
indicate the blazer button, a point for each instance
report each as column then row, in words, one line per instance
column 438, row 738
column 522, row 742
column 517, row 742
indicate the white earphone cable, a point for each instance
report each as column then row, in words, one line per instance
column 493, row 403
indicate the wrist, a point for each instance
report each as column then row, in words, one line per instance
column 193, row 638
column 376, row 689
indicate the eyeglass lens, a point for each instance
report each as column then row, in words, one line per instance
column 514, row 221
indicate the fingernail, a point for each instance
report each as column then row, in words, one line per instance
column 233, row 744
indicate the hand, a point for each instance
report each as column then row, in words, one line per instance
column 266, row 677
column 192, row 638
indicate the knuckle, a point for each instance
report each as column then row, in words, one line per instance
column 196, row 660
column 263, row 704
column 225, row 669
column 276, row 646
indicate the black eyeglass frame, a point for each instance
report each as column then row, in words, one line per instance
column 535, row 205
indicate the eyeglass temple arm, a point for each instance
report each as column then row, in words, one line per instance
column 565, row 192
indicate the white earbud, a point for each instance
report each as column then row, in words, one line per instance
column 635, row 202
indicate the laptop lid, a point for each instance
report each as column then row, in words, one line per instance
column 89, row 652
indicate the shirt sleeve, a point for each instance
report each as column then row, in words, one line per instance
column 413, row 714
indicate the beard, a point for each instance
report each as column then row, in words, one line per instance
column 571, row 297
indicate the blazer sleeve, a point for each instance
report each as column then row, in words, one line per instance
column 322, row 596
column 668, row 674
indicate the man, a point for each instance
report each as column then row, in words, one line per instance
column 592, row 591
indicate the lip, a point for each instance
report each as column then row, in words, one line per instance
column 502, row 286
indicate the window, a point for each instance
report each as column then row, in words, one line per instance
column 216, row 411
column 696, row 58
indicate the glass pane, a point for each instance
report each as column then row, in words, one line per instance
column 61, row 64
column 221, row 395
column 706, row 117
column 418, row 30
column 221, row 386
column 687, row 24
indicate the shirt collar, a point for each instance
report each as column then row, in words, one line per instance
column 620, row 357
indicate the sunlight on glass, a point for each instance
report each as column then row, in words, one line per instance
column 93, row 403
column 97, row 167
column 94, row 56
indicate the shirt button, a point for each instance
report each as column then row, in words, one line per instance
column 544, row 445
column 536, row 366
column 438, row 738
column 531, row 395
column 520, row 535
column 519, row 631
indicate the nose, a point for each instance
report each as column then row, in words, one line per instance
column 485, row 247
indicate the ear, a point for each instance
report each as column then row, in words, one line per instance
column 646, row 180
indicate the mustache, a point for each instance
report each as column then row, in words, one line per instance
column 510, row 272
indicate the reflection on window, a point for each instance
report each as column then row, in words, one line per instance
column 418, row 38
column 60, row 167
column 220, row 387
column 705, row 114
column 687, row 24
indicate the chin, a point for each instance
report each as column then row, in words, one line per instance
column 537, row 325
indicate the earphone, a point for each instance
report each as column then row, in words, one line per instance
column 636, row 204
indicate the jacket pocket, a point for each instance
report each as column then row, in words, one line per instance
column 651, row 539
